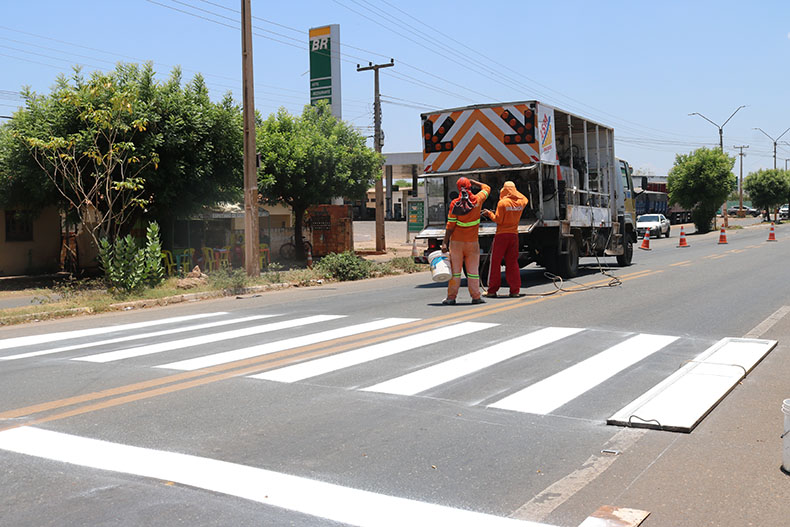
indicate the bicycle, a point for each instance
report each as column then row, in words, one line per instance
column 288, row 250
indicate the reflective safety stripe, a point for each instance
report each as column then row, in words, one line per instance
column 484, row 192
column 469, row 223
column 473, row 276
column 456, row 275
column 452, row 220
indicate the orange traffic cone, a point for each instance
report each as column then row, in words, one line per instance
column 772, row 234
column 646, row 241
column 309, row 258
column 682, row 242
column 723, row 236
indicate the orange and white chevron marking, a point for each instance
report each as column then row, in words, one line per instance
column 477, row 138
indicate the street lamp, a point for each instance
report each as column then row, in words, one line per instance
column 721, row 147
column 774, row 141
column 720, row 127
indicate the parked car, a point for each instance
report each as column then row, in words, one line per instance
column 750, row 211
column 783, row 212
column 657, row 223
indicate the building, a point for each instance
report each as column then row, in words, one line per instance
column 397, row 166
column 30, row 243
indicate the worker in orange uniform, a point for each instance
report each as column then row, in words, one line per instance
column 463, row 223
column 508, row 213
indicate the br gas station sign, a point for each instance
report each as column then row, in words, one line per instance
column 325, row 67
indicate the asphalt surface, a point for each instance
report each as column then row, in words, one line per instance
column 446, row 446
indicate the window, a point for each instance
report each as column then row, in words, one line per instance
column 18, row 226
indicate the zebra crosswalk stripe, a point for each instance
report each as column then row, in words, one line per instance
column 316, row 367
column 551, row 393
column 137, row 336
column 31, row 340
column 444, row 372
column 204, row 339
column 273, row 347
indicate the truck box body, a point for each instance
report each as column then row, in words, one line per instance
column 578, row 191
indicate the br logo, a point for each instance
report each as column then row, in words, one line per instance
column 320, row 43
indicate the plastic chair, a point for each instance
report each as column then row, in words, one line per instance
column 223, row 257
column 184, row 260
column 264, row 255
column 208, row 259
column 168, row 263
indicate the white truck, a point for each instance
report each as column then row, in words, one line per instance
column 581, row 197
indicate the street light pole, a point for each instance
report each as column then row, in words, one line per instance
column 774, row 141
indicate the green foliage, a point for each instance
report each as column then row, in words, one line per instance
column 309, row 159
column 119, row 144
column 344, row 266
column 128, row 267
column 701, row 181
column 235, row 281
column 407, row 264
column 768, row 188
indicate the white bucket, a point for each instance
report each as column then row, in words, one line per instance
column 786, row 437
column 440, row 266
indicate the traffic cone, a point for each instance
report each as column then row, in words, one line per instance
column 646, row 241
column 682, row 242
column 772, row 234
column 309, row 258
column 723, row 236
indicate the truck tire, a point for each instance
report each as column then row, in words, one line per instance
column 624, row 260
column 569, row 262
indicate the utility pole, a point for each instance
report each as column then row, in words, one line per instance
column 774, row 141
column 251, row 246
column 740, row 185
column 378, row 143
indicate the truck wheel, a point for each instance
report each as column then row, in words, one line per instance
column 569, row 262
column 624, row 260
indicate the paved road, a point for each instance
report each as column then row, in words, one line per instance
column 390, row 406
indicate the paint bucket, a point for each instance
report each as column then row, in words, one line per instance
column 786, row 437
column 440, row 266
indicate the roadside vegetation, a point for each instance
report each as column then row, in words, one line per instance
column 64, row 297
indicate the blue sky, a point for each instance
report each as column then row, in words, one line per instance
column 638, row 66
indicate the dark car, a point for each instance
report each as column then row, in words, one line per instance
column 749, row 211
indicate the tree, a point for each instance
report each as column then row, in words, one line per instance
column 768, row 188
column 198, row 144
column 309, row 159
column 700, row 181
column 95, row 165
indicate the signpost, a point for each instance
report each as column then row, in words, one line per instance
column 415, row 216
column 325, row 67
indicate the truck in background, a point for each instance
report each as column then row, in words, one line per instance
column 581, row 197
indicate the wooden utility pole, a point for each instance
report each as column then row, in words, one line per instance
column 740, row 182
column 378, row 142
column 251, row 244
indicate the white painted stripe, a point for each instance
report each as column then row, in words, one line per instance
column 559, row 389
column 306, row 496
column 684, row 398
column 137, row 336
column 273, row 347
column 305, row 370
column 444, row 372
column 160, row 347
column 31, row 340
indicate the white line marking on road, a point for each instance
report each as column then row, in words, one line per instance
column 30, row 340
column 561, row 491
column 137, row 336
column 273, row 347
column 552, row 392
column 761, row 328
column 306, row 496
column 444, row 372
column 313, row 368
column 160, row 347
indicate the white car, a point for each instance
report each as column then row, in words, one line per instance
column 657, row 223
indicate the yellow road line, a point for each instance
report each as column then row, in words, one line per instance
column 684, row 262
column 186, row 380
